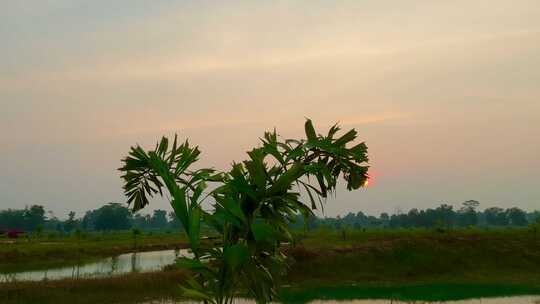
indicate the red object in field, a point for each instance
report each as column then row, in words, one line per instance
column 14, row 233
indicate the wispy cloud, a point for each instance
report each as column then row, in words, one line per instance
column 80, row 80
column 376, row 118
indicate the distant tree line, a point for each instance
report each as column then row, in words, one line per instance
column 114, row 216
column 28, row 219
column 444, row 216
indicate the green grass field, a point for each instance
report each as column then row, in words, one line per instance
column 480, row 256
column 398, row 264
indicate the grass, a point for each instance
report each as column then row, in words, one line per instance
column 471, row 256
column 55, row 251
column 398, row 264
column 129, row 288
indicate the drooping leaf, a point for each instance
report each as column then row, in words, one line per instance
column 179, row 204
column 313, row 205
column 194, row 228
column 232, row 207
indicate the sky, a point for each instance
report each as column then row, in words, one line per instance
column 446, row 94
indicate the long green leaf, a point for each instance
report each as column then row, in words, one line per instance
column 236, row 255
column 262, row 231
column 310, row 131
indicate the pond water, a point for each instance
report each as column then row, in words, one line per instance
column 504, row 300
column 124, row 263
column 501, row 300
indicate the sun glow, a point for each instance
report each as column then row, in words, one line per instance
column 366, row 183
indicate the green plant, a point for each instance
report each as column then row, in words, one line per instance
column 135, row 233
column 252, row 204
column 535, row 226
column 38, row 232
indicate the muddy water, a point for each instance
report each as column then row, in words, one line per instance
column 502, row 300
column 124, row 263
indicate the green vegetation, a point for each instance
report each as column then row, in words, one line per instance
column 442, row 217
column 252, row 204
column 414, row 265
column 535, row 226
column 29, row 219
column 502, row 256
column 130, row 288
column 117, row 217
column 110, row 217
column 408, row 264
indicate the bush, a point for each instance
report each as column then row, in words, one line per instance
column 535, row 226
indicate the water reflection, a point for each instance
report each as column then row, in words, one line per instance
column 124, row 263
column 501, row 300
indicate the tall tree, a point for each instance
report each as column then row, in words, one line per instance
column 71, row 223
column 467, row 214
column 34, row 217
column 496, row 216
column 12, row 219
column 517, row 217
column 112, row 216
column 253, row 203
column 159, row 219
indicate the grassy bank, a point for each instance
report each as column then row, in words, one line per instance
column 47, row 251
column 163, row 286
column 128, row 288
column 407, row 265
column 491, row 256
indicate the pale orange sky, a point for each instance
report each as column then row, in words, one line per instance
column 445, row 93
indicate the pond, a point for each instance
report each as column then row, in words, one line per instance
column 500, row 300
column 503, row 300
column 124, row 263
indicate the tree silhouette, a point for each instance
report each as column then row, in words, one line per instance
column 252, row 203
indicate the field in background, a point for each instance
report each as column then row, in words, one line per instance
column 340, row 263
column 386, row 256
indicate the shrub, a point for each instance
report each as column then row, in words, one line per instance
column 252, row 206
